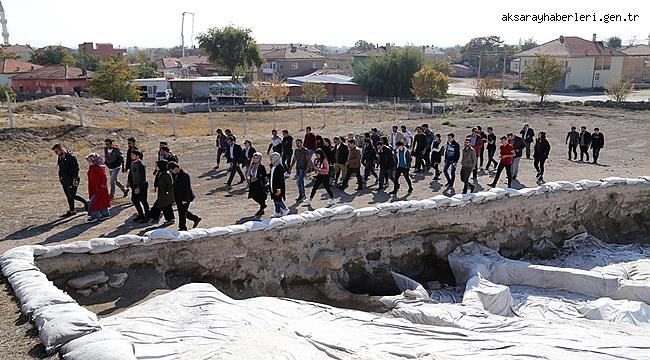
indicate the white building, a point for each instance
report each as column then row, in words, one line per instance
column 587, row 64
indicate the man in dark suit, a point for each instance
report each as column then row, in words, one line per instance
column 233, row 158
column 597, row 143
column 69, row 178
column 183, row 195
column 584, row 140
column 528, row 135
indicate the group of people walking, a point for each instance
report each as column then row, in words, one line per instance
column 585, row 141
column 171, row 184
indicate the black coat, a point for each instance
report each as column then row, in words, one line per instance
column 247, row 157
column 528, row 136
column 584, row 137
column 519, row 144
column 369, row 155
column 257, row 189
column 342, row 156
column 386, row 159
column 597, row 140
column 183, row 188
column 329, row 154
column 419, row 143
column 68, row 168
column 542, row 149
column 277, row 183
column 287, row 144
column 236, row 154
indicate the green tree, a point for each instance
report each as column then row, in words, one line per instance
column 429, row 83
column 53, row 56
column 147, row 70
column 489, row 52
column 87, row 61
column 363, row 45
column 614, row 42
column 390, row 74
column 618, row 89
column 113, row 81
column 542, row 75
column 313, row 91
column 231, row 48
column 440, row 66
column 528, row 44
column 6, row 88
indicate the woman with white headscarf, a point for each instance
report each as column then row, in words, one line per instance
column 256, row 177
column 100, row 200
column 276, row 185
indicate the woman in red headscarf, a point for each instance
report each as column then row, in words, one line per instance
column 100, row 200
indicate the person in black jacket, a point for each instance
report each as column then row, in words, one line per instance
column 386, row 163
column 137, row 181
column 247, row 154
column 184, row 196
column 572, row 139
column 528, row 135
column 256, row 176
column 69, row 178
column 452, row 155
column 341, row 155
column 368, row 159
column 233, row 158
column 597, row 143
column 131, row 147
column 541, row 151
column 287, row 148
column 276, row 185
column 437, row 151
column 114, row 162
column 584, row 140
column 491, row 148
column 328, row 150
column 419, row 148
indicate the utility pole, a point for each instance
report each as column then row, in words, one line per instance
column 503, row 75
column 183, row 31
column 480, row 54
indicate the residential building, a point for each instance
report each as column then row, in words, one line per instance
column 102, row 50
column 25, row 52
column 190, row 89
column 361, row 58
column 187, row 67
column 460, row 70
column 587, row 64
column 149, row 88
column 636, row 66
column 338, row 64
column 51, row 80
column 10, row 68
column 433, row 54
column 293, row 60
column 335, row 84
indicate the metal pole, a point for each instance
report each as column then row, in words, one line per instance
column 367, row 104
column 345, row 114
column 503, row 75
column 394, row 108
column 324, row 119
column 9, row 110
column 245, row 121
column 302, row 121
column 480, row 54
column 128, row 114
column 444, row 107
column 274, row 124
column 173, row 122
column 211, row 119
column 379, row 107
column 363, row 115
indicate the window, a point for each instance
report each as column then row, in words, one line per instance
column 603, row 63
column 294, row 66
column 645, row 78
column 646, row 64
column 315, row 65
column 597, row 77
column 58, row 90
column 21, row 89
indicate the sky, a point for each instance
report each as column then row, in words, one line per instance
column 157, row 23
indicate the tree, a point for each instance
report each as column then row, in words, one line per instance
column 486, row 50
column 113, row 81
column 528, row 44
column 231, row 48
column 485, row 88
column 258, row 92
column 277, row 89
column 618, row 89
column 362, row 45
column 542, row 75
column 614, row 42
column 53, row 56
column 8, row 56
column 147, row 70
column 429, row 83
column 313, row 91
column 6, row 88
column 390, row 74
column 440, row 66
column 87, row 61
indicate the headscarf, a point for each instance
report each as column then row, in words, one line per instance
column 276, row 159
column 251, row 172
column 95, row 159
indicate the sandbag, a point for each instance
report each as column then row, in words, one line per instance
column 47, row 313
column 237, row 229
column 218, row 231
column 102, row 245
column 463, row 198
column 198, row 233
column 58, row 331
column 99, row 345
column 620, row 311
column 36, row 300
column 499, row 192
column 483, row 196
column 366, row 211
column 21, row 252
column 256, row 225
column 342, row 212
column 324, row 212
column 124, row 240
column 429, row 204
column 77, row 247
column 586, row 184
column 159, row 234
column 441, row 200
column 494, row 298
column 12, row 266
column 289, row 220
column 52, row 251
column 386, row 209
column 411, row 206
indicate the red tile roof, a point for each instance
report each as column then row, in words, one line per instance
column 637, row 50
column 571, row 46
column 10, row 66
column 17, row 48
column 58, row 72
column 288, row 54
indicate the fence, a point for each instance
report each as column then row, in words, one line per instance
column 185, row 119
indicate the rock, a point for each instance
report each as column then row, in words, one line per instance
column 88, row 280
column 434, row 285
column 102, row 288
column 272, row 288
column 84, row 292
column 117, row 280
column 329, row 259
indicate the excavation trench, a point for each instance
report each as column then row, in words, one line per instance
column 347, row 262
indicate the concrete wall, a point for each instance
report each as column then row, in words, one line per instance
column 634, row 69
column 331, row 255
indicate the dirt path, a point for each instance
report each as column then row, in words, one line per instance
column 34, row 199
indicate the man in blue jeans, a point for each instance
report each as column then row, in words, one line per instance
column 301, row 160
column 452, row 154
